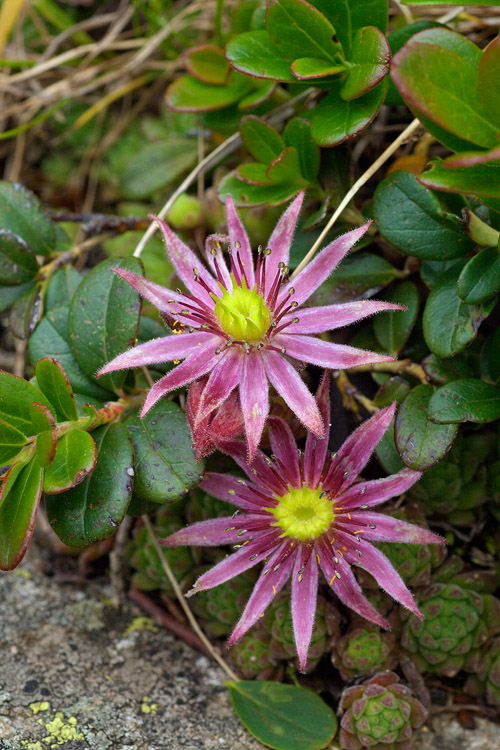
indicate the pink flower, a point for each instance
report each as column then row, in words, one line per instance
column 245, row 324
column 300, row 513
column 216, row 428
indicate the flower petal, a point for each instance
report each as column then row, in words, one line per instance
column 232, row 490
column 223, row 379
column 261, row 471
column 270, row 582
column 284, row 448
column 213, row 251
column 237, row 234
column 330, row 317
column 379, row 527
column 323, row 353
column 377, row 491
column 304, row 596
column 246, row 557
column 192, row 368
column 185, row 261
column 365, row 555
column 322, row 266
column 159, row 296
column 281, row 239
column 293, row 390
column 209, row 533
column 342, row 581
column 254, row 398
column 317, row 448
column 355, row 453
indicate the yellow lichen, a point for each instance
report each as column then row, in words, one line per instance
column 61, row 731
column 147, row 707
column 22, row 573
column 39, row 706
column 140, row 624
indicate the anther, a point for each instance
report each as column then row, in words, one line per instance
column 295, row 320
column 372, row 526
column 364, row 506
column 241, row 532
column 231, row 492
column 217, row 351
column 241, row 481
column 283, row 350
column 291, row 290
column 237, row 245
column 253, row 557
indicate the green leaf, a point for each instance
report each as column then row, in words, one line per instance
column 44, row 427
column 26, row 312
column 300, row 30
column 166, row 466
column 187, row 94
column 286, row 169
column 395, row 389
column 396, row 40
column 104, row 318
column 444, row 86
column 307, row 68
column 9, row 294
column 10, row 477
column 489, row 80
column 284, row 717
column 492, row 351
column 253, row 173
column 448, row 2
column 61, row 288
column 420, row 442
column 481, row 180
column 393, row 329
column 450, row 324
column 350, row 15
column 18, row 263
column 20, row 213
column 261, row 140
column 75, row 458
column 453, row 41
column 297, row 133
column 246, row 195
column 93, row 510
column 442, row 371
column 11, row 442
column 387, row 453
column 17, row 515
column 156, row 165
column 54, row 383
column 255, row 54
column 480, row 278
column 16, row 397
column 411, row 217
column 358, row 276
column 468, row 400
column 207, row 63
column 261, row 92
column 370, row 58
column 51, row 335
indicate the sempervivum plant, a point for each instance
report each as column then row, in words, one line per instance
column 220, row 607
column 242, row 325
column 251, row 656
column 486, row 680
column 362, row 650
column 305, row 512
column 381, row 714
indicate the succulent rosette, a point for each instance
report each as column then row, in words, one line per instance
column 302, row 512
column 244, row 324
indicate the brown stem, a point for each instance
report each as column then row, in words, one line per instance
column 351, row 397
column 96, row 223
column 400, row 367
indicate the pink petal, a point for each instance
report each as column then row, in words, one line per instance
column 192, row 368
column 377, row 491
column 323, row 353
column 166, row 349
column 246, row 557
column 228, row 421
column 317, row 448
column 355, row 453
column 270, row 582
column 285, row 449
column 232, row 490
column 261, row 470
column 281, row 239
column 292, row 389
column 322, row 266
column 237, row 234
column 213, row 532
column 387, row 528
column 159, row 296
column 304, row 595
column 345, row 585
column 223, row 379
column 185, row 261
column 213, row 251
column 330, row 317
column 254, row 398
column 370, row 558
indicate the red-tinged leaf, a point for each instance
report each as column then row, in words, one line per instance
column 8, row 479
column 300, row 30
column 370, row 60
column 297, row 133
column 286, row 169
column 481, row 180
column 54, row 383
column 245, row 195
column 207, row 63
column 307, row 68
column 255, row 54
column 489, row 80
column 44, row 427
column 75, row 458
column 11, row 442
column 187, row 94
column 261, row 93
column 261, row 140
column 347, row 16
column 253, row 173
column 17, row 515
column 16, row 397
column 471, row 158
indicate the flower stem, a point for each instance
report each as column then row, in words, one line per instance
column 402, row 366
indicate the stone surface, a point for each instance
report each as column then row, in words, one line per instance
column 77, row 675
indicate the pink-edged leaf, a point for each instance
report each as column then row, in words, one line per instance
column 377, row 491
column 324, row 354
column 281, row 238
column 17, row 515
column 238, row 236
column 317, row 448
column 330, row 317
column 293, row 390
column 254, row 398
column 285, row 449
column 304, row 596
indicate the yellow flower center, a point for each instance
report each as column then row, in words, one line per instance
column 303, row 513
column 242, row 313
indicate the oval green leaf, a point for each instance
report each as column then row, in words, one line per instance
column 26, row 312
column 18, row 514
column 104, row 318
column 300, row 30
column 480, row 278
column 393, row 329
column 93, row 510
column 44, row 427
column 489, row 80
column 11, row 442
column 187, row 94
column 53, row 381
column 412, row 218
column 245, row 195
column 166, row 466
column 467, row 400
column 21, row 214
column 286, row 169
column 75, row 458
column 358, row 276
column 61, row 288
column 420, row 442
column 481, row 180
column 297, row 133
column 207, row 63
column 18, row 263
column 284, row 717
column 255, row 54
column 156, row 165
column 308, row 68
column 261, row 140
column 350, row 15
column 16, row 397
column 370, row 58
column 442, row 371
